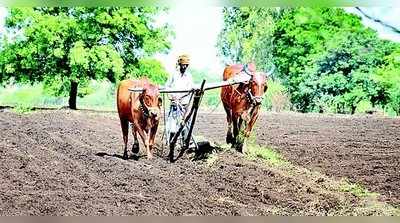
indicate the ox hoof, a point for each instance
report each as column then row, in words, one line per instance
column 229, row 139
column 135, row 148
column 135, row 155
column 239, row 147
column 150, row 156
column 125, row 156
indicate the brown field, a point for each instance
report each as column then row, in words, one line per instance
column 69, row 163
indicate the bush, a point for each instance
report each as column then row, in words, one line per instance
column 364, row 106
column 152, row 69
column 102, row 96
column 395, row 100
column 388, row 77
column 212, row 98
column 276, row 97
column 325, row 104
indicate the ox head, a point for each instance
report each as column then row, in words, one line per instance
column 257, row 83
column 150, row 101
column 258, row 86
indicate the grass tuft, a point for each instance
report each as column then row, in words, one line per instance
column 22, row 109
column 268, row 154
column 356, row 189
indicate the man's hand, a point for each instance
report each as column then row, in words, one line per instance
column 196, row 90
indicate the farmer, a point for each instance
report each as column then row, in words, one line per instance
column 179, row 80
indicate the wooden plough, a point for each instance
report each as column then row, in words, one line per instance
column 190, row 119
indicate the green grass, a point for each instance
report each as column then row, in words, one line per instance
column 271, row 156
column 22, row 97
column 212, row 98
column 254, row 151
column 28, row 96
column 276, row 97
column 22, row 109
column 356, row 189
column 367, row 203
column 103, row 98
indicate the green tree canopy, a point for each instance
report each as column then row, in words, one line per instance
column 247, row 35
column 388, row 77
column 64, row 47
column 324, row 56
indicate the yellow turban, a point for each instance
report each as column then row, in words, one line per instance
column 183, row 59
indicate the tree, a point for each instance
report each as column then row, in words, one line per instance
column 388, row 77
column 325, row 57
column 67, row 47
column 247, row 35
column 325, row 53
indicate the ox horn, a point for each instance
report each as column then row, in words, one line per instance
column 270, row 73
column 137, row 89
column 140, row 89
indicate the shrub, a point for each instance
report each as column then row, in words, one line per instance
column 363, row 106
column 276, row 97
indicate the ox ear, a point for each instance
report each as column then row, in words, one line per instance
column 159, row 102
column 270, row 73
column 265, row 83
column 265, row 87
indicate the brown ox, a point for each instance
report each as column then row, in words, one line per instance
column 142, row 110
column 242, row 102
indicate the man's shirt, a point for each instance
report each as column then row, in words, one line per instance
column 180, row 81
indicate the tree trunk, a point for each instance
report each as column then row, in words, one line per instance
column 73, row 92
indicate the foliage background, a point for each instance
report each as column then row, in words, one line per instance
column 67, row 47
column 325, row 60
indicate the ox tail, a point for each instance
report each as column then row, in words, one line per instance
column 122, row 96
column 117, row 94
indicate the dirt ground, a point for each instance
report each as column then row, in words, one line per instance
column 69, row 163
column 364, row 149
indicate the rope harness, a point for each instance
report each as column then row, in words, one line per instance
column 254, row 101
column 145, row 109
column 251, row 99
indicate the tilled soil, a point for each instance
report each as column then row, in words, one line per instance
column 364, row 149
column 69, row 163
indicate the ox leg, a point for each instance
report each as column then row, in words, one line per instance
column 135, row 146
column 250, row 125
column 240, row 139
column 229, row 137
column 145, row 138
column 152, row 138
column 235, row 123
column 125, row 129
